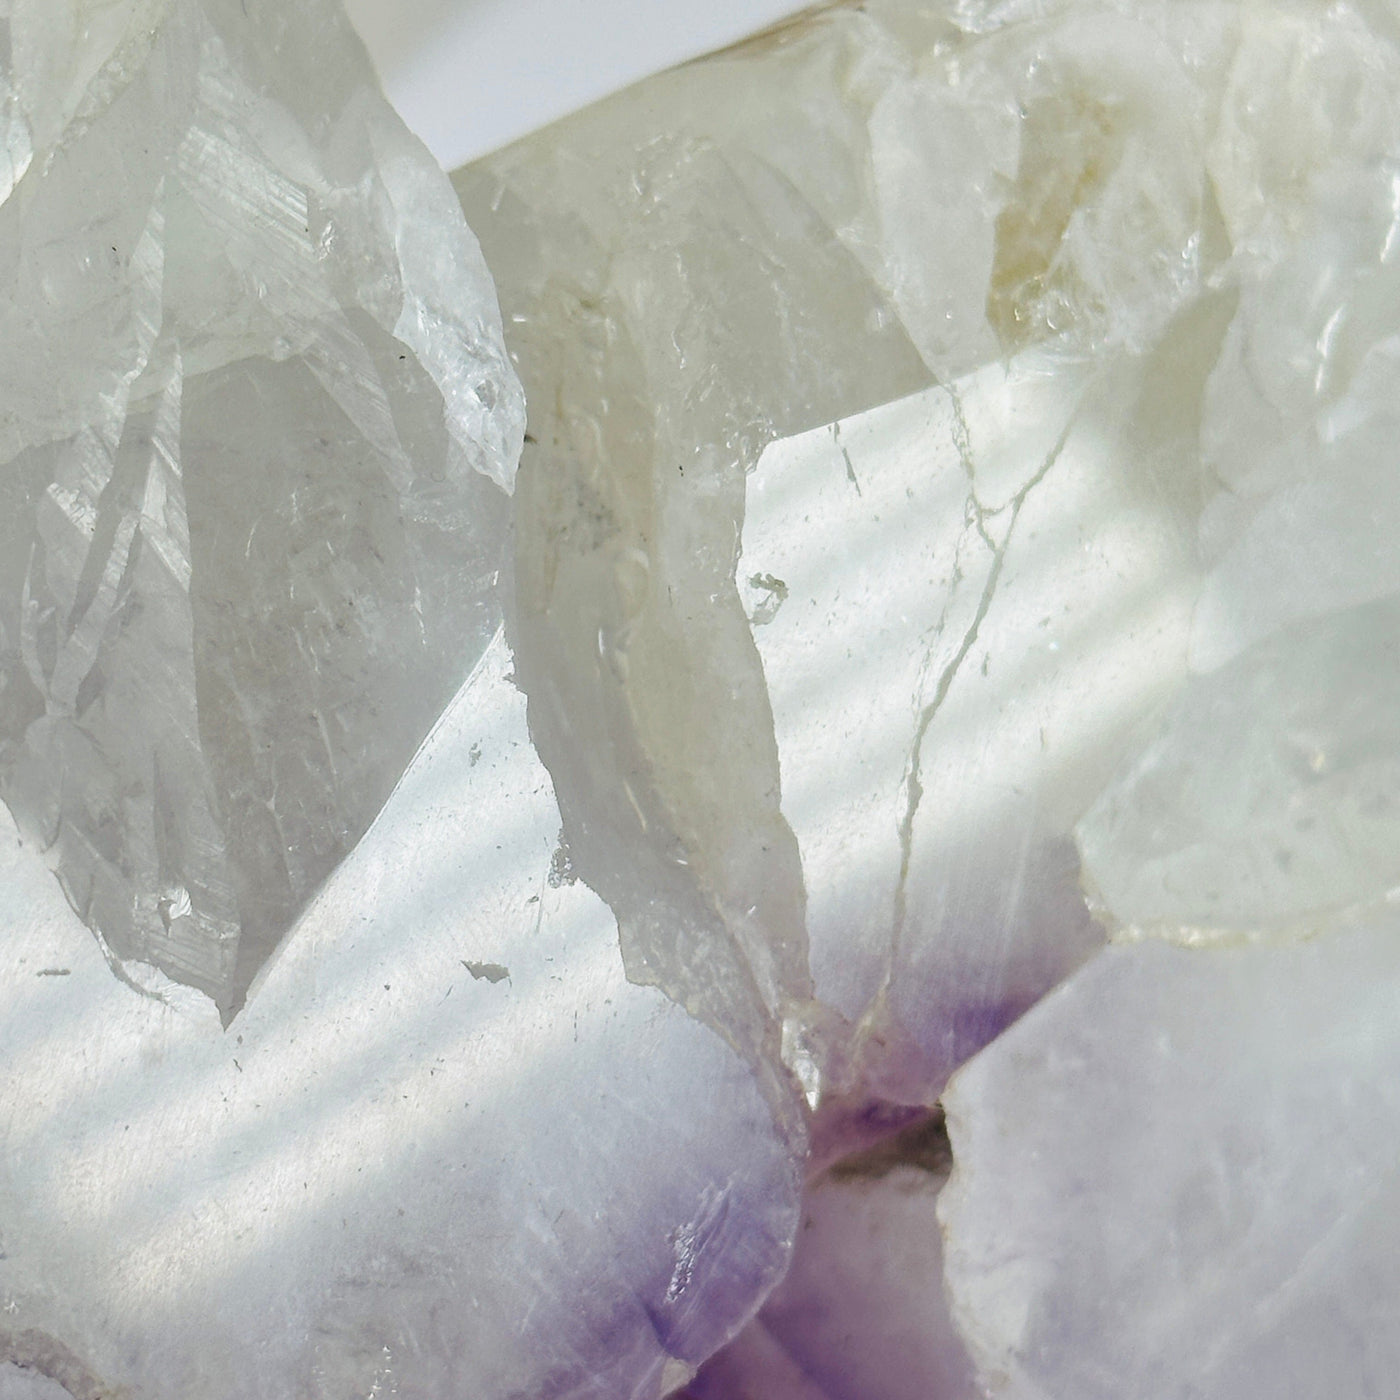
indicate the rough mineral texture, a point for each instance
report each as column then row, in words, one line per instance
column 944, row 645
column 392, row 1174
column 256, row 423
column 872, row 509
column 955, row 531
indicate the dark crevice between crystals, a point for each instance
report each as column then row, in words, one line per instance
column 907, row 1138
column 923, row 1144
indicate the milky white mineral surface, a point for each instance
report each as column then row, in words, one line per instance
column 943, row 645
column 393, row 1173
column 1178, row 1177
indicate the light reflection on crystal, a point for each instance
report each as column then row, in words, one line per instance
column 328, row 1167
column 958, row 502
column 1237, row 1240
column 1143, row 253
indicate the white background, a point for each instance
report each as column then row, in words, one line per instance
column 471, row 75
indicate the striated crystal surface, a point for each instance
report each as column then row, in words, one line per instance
column 261, row 430
column 258, row 422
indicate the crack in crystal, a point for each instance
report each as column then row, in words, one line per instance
column 979, row 513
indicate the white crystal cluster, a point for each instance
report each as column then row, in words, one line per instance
column 941, row 657
column 963, row 435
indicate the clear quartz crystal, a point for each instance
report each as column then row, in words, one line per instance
column 257, row 424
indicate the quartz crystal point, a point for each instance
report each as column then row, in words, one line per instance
column 989, row 476
column 1178, row 1177
column 258, row 431
column 257, row 422
column 952, row 560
